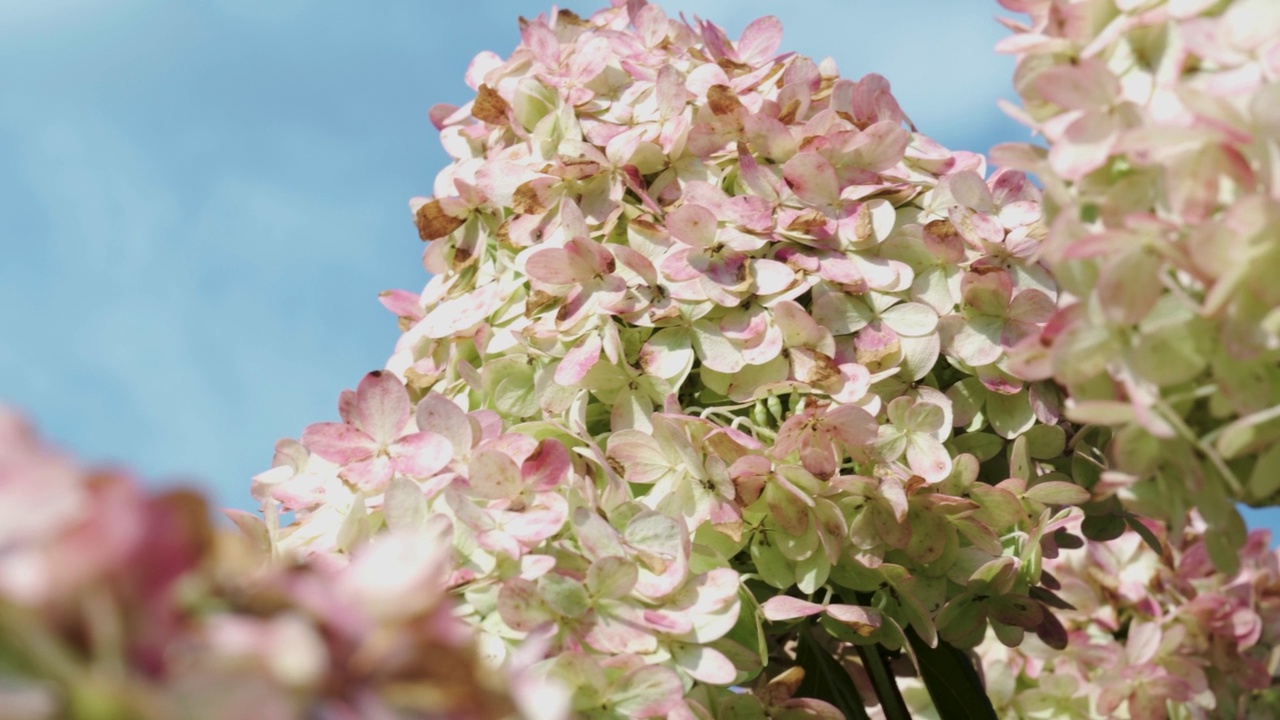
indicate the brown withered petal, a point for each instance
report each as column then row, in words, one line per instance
column 537, row 300
column 433, row 222
column 723, row 100
column 813, row 367
column 781, row 688
column 525, row 200
column 490, row 107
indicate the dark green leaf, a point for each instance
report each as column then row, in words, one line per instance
column 825, row 679
column 1145, row 533
column 1102, row 528
column 952, row 681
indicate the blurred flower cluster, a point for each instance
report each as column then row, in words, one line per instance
column 120, row 604
column 1151, row 636
column 1163, row 184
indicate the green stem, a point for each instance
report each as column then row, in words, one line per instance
column 891, row 702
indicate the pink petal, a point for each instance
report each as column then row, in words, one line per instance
column 421, row 454
column 494, row 475
column 785, row 607
column 338, row 442
column 693, row 225
column 760, row 40
column 706, row 664
column 579, row 360
column 927, row 457
column 851, row 425
column 1085, row 146
column 382, row 406
column 547, row 466
column 440, row 415
column 370, row 475
column 556, row 266
column 880, row 146
column 812, row 178
column 1083, row 85
column 589, row 60
column 650, row 691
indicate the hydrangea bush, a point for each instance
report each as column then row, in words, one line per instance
column 733, row 395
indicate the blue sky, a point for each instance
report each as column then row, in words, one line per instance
column 199, row 202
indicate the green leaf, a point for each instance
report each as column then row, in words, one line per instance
column 825, row 679
column 1101, row 528
column 1145, row 533
column 952, row 681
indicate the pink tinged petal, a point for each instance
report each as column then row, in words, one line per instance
column 1129, row 285
column 1144, row 641
column 521, row 607
column 1082, row 85
column 861, row 620
column 494, row 475
column 1032, row 306
column 760, row 40
column 895, row 497
column 440, row 415
column 693, row 225
column 1111, row 697
column 642, row 460
column 547, row 467
column 589, row 60
column 402, row 302
column 1146, row 705
column 382, row 406
column 812, row 179
column 542, row 41
column 927, row 457
column 705, row 664
column 774, row 141
column 372, row 474
column 556, row 266
column 880, row 146
column 976, row 342
column 533, row 526
column 667, row 622
column 461, row 314
column 612, row 577
column 421, row 455
column 618, row 634
column 715, row 350
column 579, row 360
column 978, row 229
column 851, row 425
column 338, row 442
column 785, row 607
column 668, row 353
column 647, row 692
column 771, row 276
column 798, row 328
column 987, row 293
column 1085, row 146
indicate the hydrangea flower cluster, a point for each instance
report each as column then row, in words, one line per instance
column 704, row 313
column 732, row 394
column 116, row 604
column 1151, row 636
column 1163, row 174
